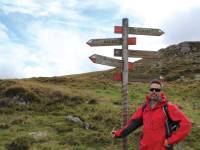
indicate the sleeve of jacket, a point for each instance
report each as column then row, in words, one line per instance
column 184, row 123
column 133, row 123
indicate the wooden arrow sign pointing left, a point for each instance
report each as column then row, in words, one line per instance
column 103, row 60
column 110, row 41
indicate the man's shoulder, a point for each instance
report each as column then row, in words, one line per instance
column 172, row 107
column 170, row 104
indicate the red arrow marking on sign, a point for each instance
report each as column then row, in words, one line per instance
column 130, row 66
column 118, row 29
column 132, row 41
column 117, row 76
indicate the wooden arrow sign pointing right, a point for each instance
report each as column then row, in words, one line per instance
column 110, row 41
column 140, row 31
column 103, row 60
column 138, row 54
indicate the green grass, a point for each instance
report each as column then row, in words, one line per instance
column 94, row 98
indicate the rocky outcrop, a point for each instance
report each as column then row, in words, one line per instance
column 180, row 60
column 78, row 121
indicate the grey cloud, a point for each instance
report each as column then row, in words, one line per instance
column 183, row 26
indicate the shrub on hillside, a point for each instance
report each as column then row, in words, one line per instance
column 20, row 143
column 20, row 94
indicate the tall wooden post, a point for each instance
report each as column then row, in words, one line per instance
column 125, row 77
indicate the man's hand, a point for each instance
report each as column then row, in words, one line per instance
column 113, row 133
column 166, row 144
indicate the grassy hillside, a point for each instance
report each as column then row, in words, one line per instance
column 35, row 112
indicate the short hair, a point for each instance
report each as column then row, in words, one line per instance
column 156, row 81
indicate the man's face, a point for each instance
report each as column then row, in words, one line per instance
column 154, row 91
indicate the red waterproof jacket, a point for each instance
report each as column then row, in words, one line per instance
column 154, row 130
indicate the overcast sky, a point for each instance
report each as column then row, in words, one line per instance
column 48, row 37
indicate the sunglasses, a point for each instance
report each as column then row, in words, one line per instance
column 154, row 89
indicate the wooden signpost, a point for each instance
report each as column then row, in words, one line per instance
column 110, row 41
column 140, row 31
column 123, row 64
column 103, row 60
column 138, row 54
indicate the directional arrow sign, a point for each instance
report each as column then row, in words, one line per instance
column 110, row 41
column 138, row 54
column 103, row 60
column 140, row 31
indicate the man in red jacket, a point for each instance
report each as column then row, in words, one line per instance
column 153, row 118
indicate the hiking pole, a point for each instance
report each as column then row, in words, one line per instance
column 113, row 142
column 113, row 139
